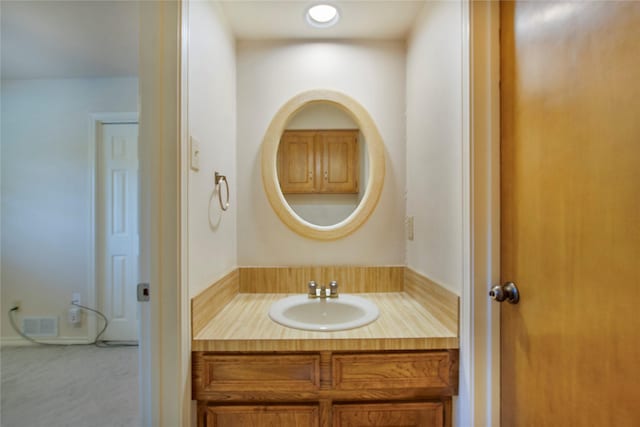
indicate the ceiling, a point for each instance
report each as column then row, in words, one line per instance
column 51, row 39
column 97, row 38
column 359, row 19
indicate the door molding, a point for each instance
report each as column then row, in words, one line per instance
column 96, row 121
column 187, row 406
column 163, row 351
column 479, row 398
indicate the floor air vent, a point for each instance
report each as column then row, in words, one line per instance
column 40, row 326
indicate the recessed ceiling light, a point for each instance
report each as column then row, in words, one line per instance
column 322, row 15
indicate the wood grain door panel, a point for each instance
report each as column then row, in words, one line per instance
column 391, row 371
column 259, row 416
column 570, row 113
column 270, row 373
column 423, row 414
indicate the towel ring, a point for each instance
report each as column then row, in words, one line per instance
column 218, row 178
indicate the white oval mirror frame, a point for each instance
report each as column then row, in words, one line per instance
column 375, row 149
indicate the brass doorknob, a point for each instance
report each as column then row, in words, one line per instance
column 508, row 292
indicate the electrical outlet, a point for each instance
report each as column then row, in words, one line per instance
column 75, row 298
column 73, row 316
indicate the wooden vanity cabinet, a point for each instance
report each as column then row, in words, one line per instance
column 324, row 389
column 389, row 414
column 318, row 161
column 259, row 416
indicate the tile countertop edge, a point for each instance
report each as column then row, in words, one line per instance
column 351, row 344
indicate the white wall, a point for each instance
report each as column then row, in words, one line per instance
column 212, row 122
column 434, row 144
column 46, row 190
column 321, row 116
column 271, row 73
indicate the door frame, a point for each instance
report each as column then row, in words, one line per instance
column 166, row 353
column 96, row 121
column 163, row 42
column 479, row 400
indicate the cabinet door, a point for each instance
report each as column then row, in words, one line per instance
column 425, row 414
column 339, row 161
column 258, row 416
column 253, row 377
column 434, row 370
column 296, row 162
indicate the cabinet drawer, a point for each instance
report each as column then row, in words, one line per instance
column 393, row 371
column 258, row 416
column 256, row 372
column 423, row 414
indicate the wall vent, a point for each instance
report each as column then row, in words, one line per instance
column 40, row 326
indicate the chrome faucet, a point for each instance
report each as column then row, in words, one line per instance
column 333, row 289
column 313, row 290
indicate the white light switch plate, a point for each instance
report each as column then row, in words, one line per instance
column 409, row 228
column 195, row 154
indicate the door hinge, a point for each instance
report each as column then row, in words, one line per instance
column 143, row 292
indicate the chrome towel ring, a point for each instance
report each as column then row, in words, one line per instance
column 218, row 179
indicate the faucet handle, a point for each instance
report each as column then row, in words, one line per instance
column 312, row 289
column 333, row 288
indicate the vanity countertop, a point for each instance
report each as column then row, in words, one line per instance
column 244, row 325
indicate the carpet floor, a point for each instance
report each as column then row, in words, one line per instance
column 78, row 386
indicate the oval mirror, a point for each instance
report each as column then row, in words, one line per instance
column 323, row 164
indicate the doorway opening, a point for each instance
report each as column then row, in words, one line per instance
column 51, row 154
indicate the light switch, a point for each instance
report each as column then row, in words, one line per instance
column 195, row 154
column 409, row 228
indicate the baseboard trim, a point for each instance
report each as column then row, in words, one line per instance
column 21, row 342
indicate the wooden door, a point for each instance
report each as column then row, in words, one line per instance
column 570, row 101
column 118, row 230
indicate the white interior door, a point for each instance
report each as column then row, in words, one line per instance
column 118, row 191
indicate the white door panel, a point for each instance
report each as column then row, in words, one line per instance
column 119, row 195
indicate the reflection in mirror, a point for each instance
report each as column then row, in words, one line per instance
column 322, row 164
column 372, row 164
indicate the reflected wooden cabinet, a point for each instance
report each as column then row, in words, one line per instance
column 318, row 161
column 296, row 162
column 325, row 389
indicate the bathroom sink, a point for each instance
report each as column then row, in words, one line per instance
column 324, row 314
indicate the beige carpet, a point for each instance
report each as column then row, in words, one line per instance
column 80, row 386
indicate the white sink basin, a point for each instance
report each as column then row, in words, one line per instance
column 323, row 314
